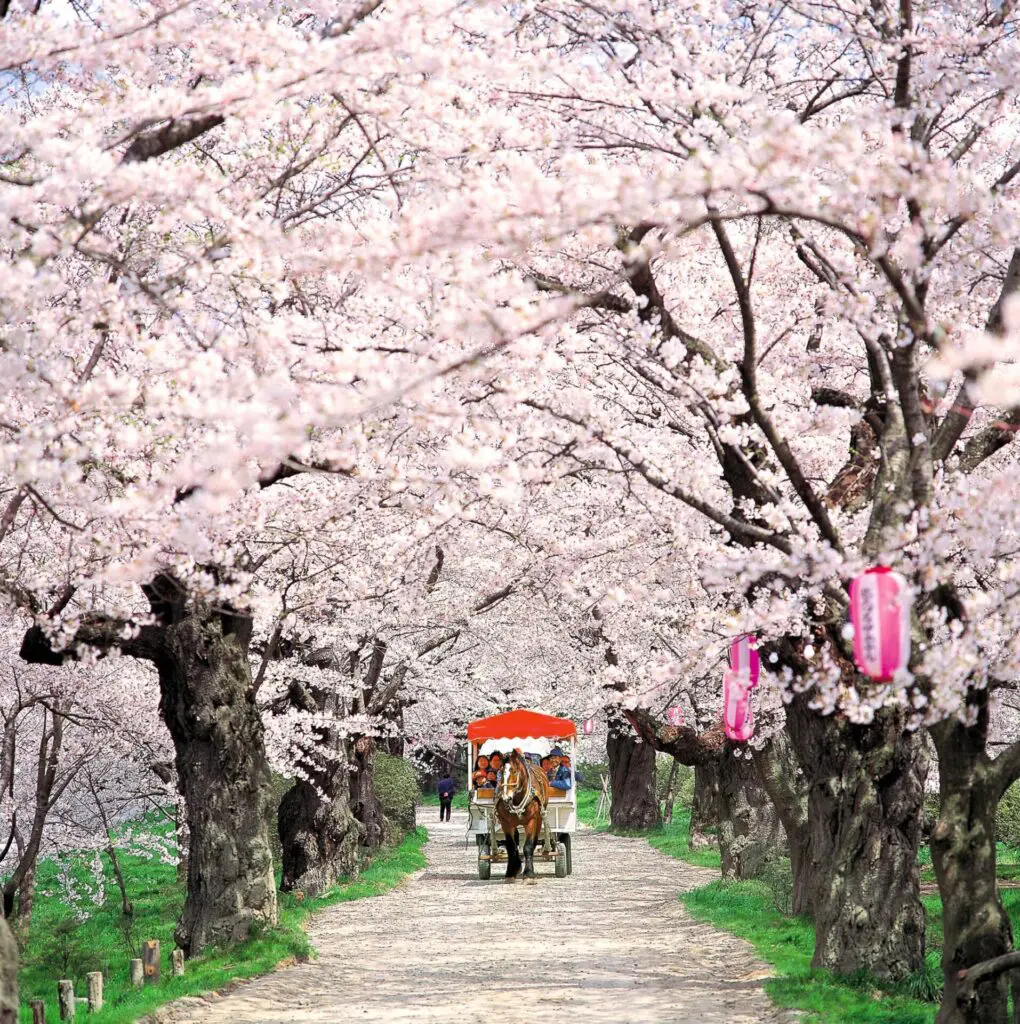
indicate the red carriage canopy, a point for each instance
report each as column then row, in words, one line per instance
column 523, row 724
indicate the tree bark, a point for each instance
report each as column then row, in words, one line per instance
column 208, row 704
column 8, row 975
column 750, row 834
column 864, row 817
column 632, row 771
column 209, row 708
column 364, row 801
column 976, row 925
column 319, row 835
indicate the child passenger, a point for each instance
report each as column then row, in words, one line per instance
column 480, row 777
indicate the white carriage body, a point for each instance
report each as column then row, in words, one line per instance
column 561, row 814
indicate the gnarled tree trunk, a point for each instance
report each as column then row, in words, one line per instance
column 319, row 834
column 975, row 922
column 208, row 704
column 750, row 834
column 632, row 777
column 864, row 817
column 364, row 801
column 8, row 975
column 209, row 708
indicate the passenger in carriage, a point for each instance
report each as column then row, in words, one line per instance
column 480, row 778
column 495, row 764
column 559, row 773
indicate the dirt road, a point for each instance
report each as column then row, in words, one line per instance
column 608, row 945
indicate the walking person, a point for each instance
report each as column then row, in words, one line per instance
column 446, row 787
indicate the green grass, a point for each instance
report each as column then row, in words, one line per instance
column 61, row 947
column 745, row 909
column 673, row 839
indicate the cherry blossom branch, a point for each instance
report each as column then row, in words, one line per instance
column 749, row 377
column 657, row 479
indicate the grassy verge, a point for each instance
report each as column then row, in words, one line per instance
column 62, row 946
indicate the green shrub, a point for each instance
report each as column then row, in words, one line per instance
column 777, row 878
column 1007, row 818
column 592, row 772
column 683, row 783
column 397, row 789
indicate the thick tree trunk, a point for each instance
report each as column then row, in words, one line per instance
column 632, row 771
column 8, row 975
column 750, row 833
column 208, row 704
column 364, row 801
column 209, row 708
column 864, row 816
column 319, row 835
column 963, row 851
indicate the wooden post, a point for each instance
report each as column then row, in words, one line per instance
column 65, row 996
column 137, row 973
column 95, row 980
column 38, row 1011
column 178, row 959
column 150, row 957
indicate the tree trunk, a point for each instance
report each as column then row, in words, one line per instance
column 209, row 708
column 8, row 975
column 632, row 770
column 364, row 801
column 750, row 834
column 208, row 704
column 864, row 816
column 963, row 851
column 705, row 806
column 319, row 835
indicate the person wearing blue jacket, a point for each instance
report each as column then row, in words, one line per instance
column 559, row 773
column 445, row 788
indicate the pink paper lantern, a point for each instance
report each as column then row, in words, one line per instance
column 744, row 657
column 880, row 605
column 738, row 721
column 675, row 716
column 588, row 726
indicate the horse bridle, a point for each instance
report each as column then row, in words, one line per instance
column 529, row 791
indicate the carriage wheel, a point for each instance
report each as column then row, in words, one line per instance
column 561, row 861
column 564, row 838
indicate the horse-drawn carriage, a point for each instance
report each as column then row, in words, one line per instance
column 541, row 818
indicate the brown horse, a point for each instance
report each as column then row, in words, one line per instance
column 521, row 801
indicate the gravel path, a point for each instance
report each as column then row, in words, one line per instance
column 611, row 943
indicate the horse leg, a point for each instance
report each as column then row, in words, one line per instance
column 530, row 839
column 513, row 863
